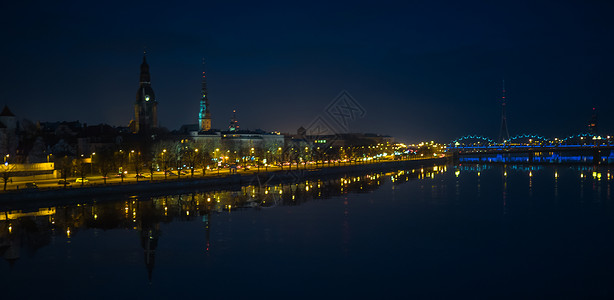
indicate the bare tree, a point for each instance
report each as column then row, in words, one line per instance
column 138, row 164
column 81, row 167
column 204, row 159
column 191, row 157
column 65, row 166
column 151, row 167
column 162, row 154
column 6, row 173
column 120, row 158
column 105, row 163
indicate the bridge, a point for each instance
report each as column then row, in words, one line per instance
column 532, row 145
column 586, row 144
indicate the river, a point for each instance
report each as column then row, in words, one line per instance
column 470, row 231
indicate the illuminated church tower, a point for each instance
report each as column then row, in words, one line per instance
column 204, row 115
column 146, row 106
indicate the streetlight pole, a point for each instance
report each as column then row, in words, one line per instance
column 217, row 161
column 92, row 163
column 164, row 163
column 193, row 162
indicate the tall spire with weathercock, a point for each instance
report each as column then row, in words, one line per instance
column 146, row 106
column 204, row 115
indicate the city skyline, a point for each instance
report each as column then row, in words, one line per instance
column 419, row 70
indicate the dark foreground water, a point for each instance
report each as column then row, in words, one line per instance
column 453, row 232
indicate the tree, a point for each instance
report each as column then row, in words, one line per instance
column 176, row 155
column 257, row 155
column 204, row 159
column 138, row 163
column 37, row 152
column 151, row 167
column 162, row 153
column 148, row 158
column 7, row 172
column 165, row 159
column 119, row 159
column 191, row 157
column 81, row 167
column 105, row 163
column 65, row 166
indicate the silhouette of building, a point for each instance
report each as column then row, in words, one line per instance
column 146, row 105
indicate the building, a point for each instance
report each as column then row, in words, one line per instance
column 146, row 105
column 336, row 140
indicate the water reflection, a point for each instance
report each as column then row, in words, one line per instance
column 26, row 230
column 469, row 227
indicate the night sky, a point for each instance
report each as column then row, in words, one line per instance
column 423, row 70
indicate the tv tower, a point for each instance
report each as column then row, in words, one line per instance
column 593, row 122
column 504, row 135
column 234, row 123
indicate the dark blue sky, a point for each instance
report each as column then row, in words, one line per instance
column 422, row 70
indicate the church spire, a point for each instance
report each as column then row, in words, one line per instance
column 204, row 115
column 145, row 78
column 145, row 106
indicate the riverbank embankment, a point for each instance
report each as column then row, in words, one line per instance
column 212, row 182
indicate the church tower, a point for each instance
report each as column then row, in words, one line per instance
column 146, row 106
column 204, row 115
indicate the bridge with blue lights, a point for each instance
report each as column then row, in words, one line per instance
column 581, row 146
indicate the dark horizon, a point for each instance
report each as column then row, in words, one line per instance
column 421, row 71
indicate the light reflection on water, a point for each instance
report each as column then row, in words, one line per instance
column 482, row 230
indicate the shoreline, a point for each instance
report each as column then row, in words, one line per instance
column 225, row 182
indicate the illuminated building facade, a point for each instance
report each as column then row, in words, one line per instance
column 146, row 106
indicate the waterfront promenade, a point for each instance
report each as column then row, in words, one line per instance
column 50, row 189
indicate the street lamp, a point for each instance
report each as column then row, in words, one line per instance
column 217, row 160
column 130, row 155
column 193, row 162
column 92, row 162
column 164, row 164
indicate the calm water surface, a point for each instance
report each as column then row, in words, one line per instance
column 446, row 232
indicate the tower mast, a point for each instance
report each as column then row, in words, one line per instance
column 504, row 134
column 592, row 123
